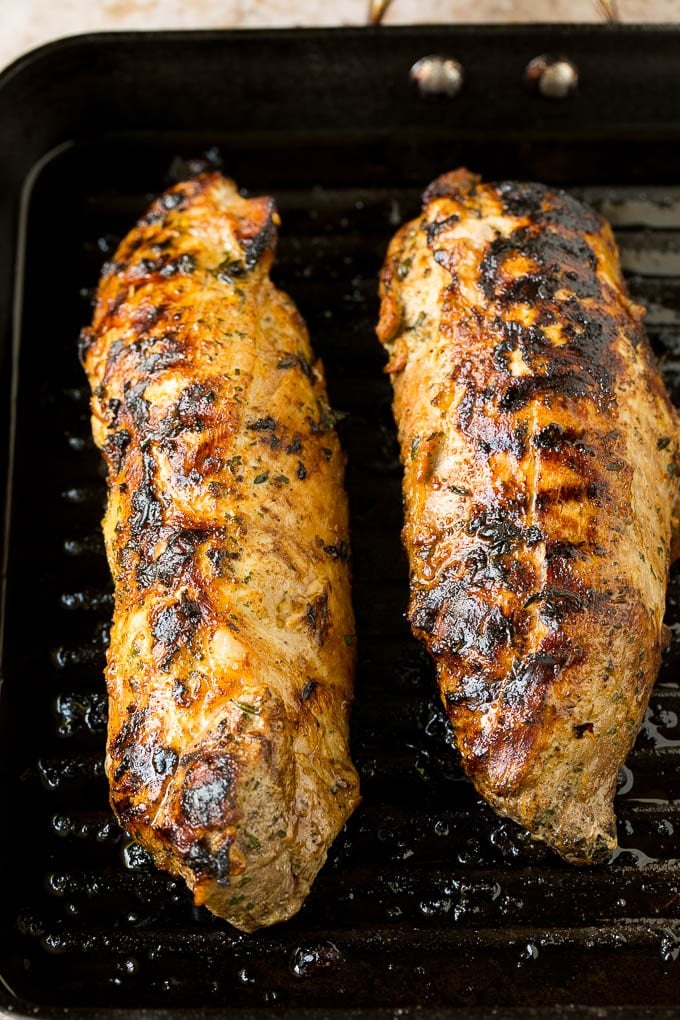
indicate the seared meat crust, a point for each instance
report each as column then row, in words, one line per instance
column 540, row 456
column 231, row 659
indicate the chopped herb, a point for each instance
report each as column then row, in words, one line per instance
column 663, row 443
column 246, row 708
column 350, row 639
column 259, row 479
column 267, row 424
column 403, row 268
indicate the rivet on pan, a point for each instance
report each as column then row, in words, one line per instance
column 437, row 76
column 552, row 77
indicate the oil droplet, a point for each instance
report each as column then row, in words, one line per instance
column 435, row 907
column 670, row 946
column 625, row 781
column 528, row 954
column 308, row 960
column 135, row 857
column 129, row 967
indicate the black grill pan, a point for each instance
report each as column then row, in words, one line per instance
column 429, row 904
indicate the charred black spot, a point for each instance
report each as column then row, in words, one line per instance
column 482, row 567
column 547, row 206
column 489, row 435
column 556, row 603
column 180, row 693
column 295, row 445
column 147, row 511
column 145, row 317
column 169, row 352
column 221, row 560
column 554, row 252
column 316, row 617
column 165, row 266
column 337, row 552
column 534, row 671
column 521, row 198
column 581, row 728
column 307, row 369
column 174, row 626
column 555, row 550
column 500, row 531
column 129, row 731
column 437, row 226
column 115, row 447
column 328, row 454
column 301, row 471
column 576, row 493
column 137, row 406
column 519, row 392
column 135, row 769
column 164, row 761
column 194, row 409
column 207, row 863
column 308, row 689
column 458, row 619
column 167, row 569
column 267, row 424
column 472, row 690
column 206, row 799
column 555, row 437
column 254, row 247
column 451, row 186
column 231, row 269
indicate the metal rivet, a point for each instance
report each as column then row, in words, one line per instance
column 437, row 76
column 552, row 77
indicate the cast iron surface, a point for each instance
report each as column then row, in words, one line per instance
column 428, row 899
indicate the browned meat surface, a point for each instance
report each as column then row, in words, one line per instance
column 541, row 463
column 231, row 660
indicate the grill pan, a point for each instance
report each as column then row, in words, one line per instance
column 429, row 904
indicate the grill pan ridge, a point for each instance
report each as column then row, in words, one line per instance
column 429, row 903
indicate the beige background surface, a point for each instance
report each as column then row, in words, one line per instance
column 25, row 24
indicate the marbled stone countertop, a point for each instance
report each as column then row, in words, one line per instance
column 25, row 24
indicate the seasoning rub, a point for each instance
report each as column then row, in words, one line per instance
column 541, row 461
column 231, row 660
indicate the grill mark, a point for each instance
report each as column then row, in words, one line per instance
column 576, row 492
column 504, row 751
column 207, row 863
column 257, row 234
column 147, row 511
column 172, row 563
column 459, row 620
column 316, row 618
column 173, row 627
column 207, row 799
